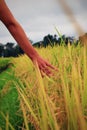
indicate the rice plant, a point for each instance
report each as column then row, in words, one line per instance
column 58, row 102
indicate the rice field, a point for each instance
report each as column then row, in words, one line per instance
column 30, row 102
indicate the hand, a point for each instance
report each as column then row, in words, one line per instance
column 44, row 66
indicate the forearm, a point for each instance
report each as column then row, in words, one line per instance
column 19, row 35
column 16, row 30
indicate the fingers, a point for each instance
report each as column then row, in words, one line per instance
column 47, row 68
column 51, row 66
column 46, row 71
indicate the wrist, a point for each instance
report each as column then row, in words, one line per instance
column 34, row 55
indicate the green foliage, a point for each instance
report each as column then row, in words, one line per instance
column 9, row 103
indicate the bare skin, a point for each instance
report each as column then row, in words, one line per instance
column 19, row 35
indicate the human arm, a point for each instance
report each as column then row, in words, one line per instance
column 19, row 35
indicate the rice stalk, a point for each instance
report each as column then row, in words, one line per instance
column 45, row 110
column 8, row 124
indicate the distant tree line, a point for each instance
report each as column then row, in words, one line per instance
column 10, row 50
column 13, row 50
column 55, row 40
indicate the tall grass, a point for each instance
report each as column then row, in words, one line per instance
column 73, row 89
column 8, row 124
column 64, row 95
column 37, row 107
column 56, row 103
